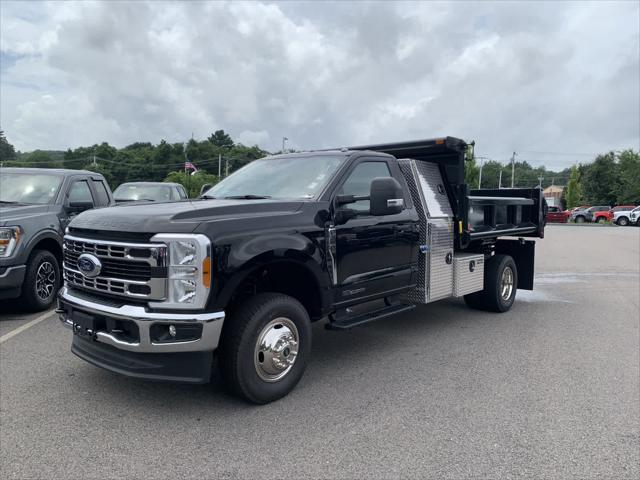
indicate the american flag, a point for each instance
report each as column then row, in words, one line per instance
column 190, row 166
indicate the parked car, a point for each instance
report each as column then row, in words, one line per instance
column 36, row 205
column 588, row 215
column 634, row 216
column 620, row 214
column 607, row 216
column 557, row 215
column 149, row 192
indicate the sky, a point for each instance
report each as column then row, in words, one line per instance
column 555, row 82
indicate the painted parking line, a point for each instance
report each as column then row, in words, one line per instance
column 26, row 326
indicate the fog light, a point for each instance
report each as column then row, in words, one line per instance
column 172, row 330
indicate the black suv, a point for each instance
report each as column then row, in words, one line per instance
column 36, row 205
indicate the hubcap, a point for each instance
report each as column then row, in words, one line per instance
column 45, row 280
column 506, row 283
column 276, row 349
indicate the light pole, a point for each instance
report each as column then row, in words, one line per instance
column 284, row 139
column 513, row 168
column 482, row 159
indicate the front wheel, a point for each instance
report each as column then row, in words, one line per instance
column 580, row 219
column 623, row 221
column 41, row 282
column 265, row 347
column 500, row 285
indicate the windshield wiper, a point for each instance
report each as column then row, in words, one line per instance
column 207, row 197
column 11, row 202
column 247, row 197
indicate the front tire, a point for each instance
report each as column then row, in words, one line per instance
column 580, row 219
column 500, row 285
column 623, row 221
column 265, row 347
column 41, row 282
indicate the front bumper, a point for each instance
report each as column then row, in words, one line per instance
column 11, row 279
column 141, row 354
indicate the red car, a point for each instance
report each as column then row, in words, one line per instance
column 557, row 215
column 607, row 216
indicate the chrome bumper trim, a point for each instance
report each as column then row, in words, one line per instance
column 211, row 325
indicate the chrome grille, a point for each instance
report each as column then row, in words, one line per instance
column 128, row 269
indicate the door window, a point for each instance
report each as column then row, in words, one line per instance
column 359, row 182
column 101, row 193
column 80, row 192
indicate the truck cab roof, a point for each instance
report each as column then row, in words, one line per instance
column 56, row 171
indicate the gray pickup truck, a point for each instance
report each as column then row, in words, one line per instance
column 36, row 205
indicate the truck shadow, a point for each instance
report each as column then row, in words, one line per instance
column 336, row 357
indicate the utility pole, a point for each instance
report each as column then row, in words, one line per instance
column 540, row 181
column 513, row 168
column 219, row 165
column 500, row 178
column 186, row 176
column 480, row 177
column 94, row 160
column 284, row 139
column 226, row 167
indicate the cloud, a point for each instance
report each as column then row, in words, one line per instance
column 559, row 77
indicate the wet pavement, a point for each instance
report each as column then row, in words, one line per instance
column 547, row 390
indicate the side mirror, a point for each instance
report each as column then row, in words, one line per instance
column 386, row 197
column 205, row 187
column 77, row 207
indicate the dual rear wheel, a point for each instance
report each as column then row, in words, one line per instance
column 500, row 285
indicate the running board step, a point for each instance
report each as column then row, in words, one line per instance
column 350, row 322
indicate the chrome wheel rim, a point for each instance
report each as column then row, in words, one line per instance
column 276, row 349
column 45, row 280
column 506, row 283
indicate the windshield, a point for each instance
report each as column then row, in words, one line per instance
column 154, row 193
column 279, row 177
column 28, row 188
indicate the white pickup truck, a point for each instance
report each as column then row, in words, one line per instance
column 626, row 217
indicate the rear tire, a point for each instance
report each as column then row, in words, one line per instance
column 265, row 347
column 600, row 220
column 41, row 282
column 500, row 285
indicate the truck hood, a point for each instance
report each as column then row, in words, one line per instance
column 178, row 217
column 14, row 214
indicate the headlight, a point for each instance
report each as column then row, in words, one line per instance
column 9, row 238
column 188, row 270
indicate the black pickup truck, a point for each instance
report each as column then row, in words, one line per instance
column 353, row 234
column 36, row 205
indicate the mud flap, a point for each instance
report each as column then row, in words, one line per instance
column 523, row 253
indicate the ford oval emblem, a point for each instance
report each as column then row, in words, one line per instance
column 89, row 265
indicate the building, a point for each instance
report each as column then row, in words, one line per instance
column 553, row 194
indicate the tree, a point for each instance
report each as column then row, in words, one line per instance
column 628, row 188
column 471, row 173
column 7, row 152
column 221, row 139
column 573, row 192
column 600, row 180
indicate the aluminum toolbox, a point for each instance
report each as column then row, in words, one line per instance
column 435, row 266
column 468, row 273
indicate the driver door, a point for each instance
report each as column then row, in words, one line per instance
column 373, row 253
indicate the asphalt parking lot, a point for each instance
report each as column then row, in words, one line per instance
column 547, row 390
